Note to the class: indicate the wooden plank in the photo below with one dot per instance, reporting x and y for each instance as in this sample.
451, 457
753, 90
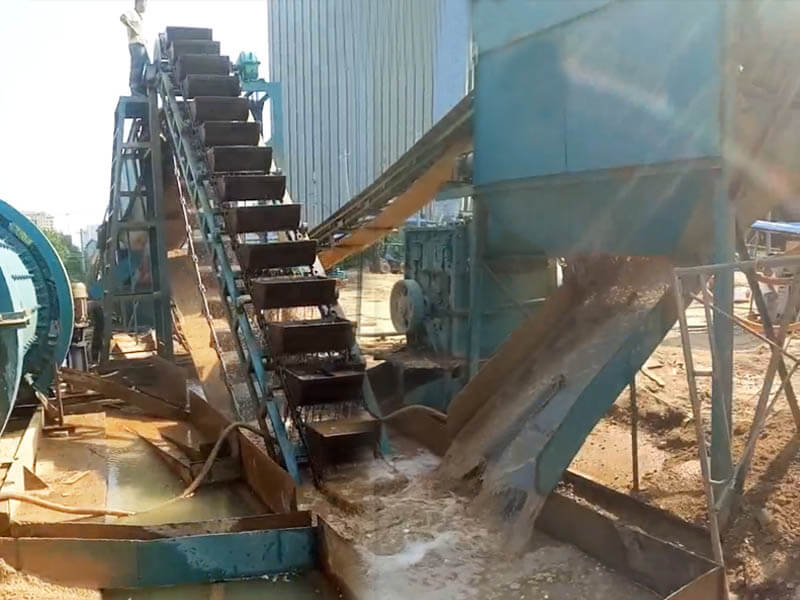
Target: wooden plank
24, 458
26, 451
60, 460
112, 389
9, 442
118, 531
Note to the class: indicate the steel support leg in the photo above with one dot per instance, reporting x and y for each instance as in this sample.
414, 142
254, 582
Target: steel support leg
276, 126
634, 435
475, 278
158, 253
697, 414
722, 359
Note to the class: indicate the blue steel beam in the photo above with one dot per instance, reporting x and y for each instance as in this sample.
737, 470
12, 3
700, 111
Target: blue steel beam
596, 399
723, 230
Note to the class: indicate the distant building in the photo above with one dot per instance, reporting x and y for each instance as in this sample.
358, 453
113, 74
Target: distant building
41, 219
87, 235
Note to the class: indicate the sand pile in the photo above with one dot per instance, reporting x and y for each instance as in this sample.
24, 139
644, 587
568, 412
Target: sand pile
16, 585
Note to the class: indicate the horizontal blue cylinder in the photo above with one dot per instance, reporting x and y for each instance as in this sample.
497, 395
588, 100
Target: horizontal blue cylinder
36, 312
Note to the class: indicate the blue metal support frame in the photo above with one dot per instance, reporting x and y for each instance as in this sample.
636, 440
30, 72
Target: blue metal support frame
570, 167
476, 246
272, 92
136, 205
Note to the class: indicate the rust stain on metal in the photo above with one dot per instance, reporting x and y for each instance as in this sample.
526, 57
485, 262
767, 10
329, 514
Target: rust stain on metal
268, 480
147, 403
418, 194
152, 375
115, 531
341, 562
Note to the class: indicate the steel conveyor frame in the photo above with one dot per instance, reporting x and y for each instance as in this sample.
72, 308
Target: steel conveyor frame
447, 139
194, 174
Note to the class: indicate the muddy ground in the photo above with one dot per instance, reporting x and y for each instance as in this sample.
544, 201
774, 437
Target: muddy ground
416, 539
762, 542
16, 585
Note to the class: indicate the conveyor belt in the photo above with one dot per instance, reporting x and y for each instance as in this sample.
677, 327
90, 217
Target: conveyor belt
306, 374
402, 190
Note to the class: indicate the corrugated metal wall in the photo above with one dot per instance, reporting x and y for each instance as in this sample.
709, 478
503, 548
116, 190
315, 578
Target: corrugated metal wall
362, 81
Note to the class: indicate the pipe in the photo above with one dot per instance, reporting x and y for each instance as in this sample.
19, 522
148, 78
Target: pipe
72, 510
634, 435
770, 261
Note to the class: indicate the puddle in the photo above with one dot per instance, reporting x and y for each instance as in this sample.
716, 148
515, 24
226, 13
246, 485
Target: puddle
139, 481
305, 586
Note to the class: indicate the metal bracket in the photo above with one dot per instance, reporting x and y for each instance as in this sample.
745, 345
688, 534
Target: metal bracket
15, 319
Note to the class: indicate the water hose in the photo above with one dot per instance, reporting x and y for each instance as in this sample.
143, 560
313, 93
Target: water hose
72, 510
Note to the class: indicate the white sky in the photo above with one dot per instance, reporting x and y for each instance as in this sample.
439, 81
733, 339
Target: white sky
64, 64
